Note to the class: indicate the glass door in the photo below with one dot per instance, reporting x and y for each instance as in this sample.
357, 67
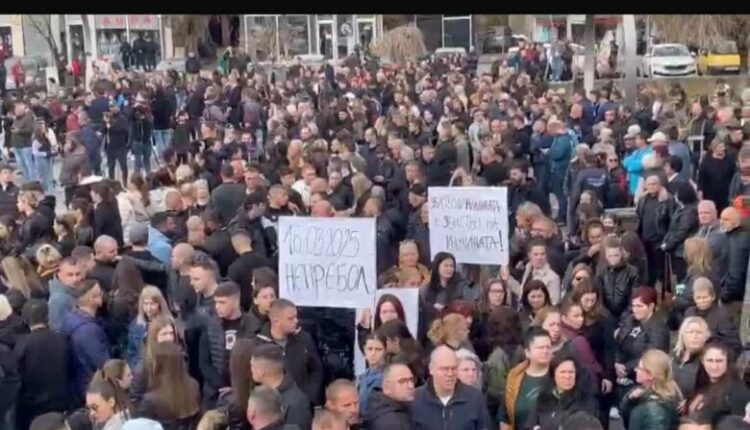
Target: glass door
345, 36
325, 39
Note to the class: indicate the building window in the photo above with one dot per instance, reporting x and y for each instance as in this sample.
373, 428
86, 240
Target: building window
457, 32
345, 35
294, 35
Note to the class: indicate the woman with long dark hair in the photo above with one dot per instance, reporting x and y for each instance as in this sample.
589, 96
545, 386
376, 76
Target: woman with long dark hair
446, 284
563, 394
106, 213
718, 389
84, 221
388, 307
127, 284
495, 294
173, 397
534, 298
107, 403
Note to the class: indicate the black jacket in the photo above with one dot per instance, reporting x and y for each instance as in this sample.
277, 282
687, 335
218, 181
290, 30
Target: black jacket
226, 199
301, 361
618, 284
103, 272
43, 367
241, 272
384, 413
297, 407
214, 354
385, 240
738, 252
107, 221
658, 214
34, 229
634, 338
219, 247
682, 224
466, 410
8, 199
551, 410
116, 136
720, 325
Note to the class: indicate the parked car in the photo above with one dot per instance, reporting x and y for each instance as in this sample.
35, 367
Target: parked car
33, 67
448, 52
176, 64
668, 59
721, 57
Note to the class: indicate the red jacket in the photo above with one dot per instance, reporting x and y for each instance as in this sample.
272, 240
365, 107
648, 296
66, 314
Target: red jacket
71, 123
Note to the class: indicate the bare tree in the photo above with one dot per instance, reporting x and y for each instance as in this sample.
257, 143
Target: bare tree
400, 44
188, 30
42, 24
702, 30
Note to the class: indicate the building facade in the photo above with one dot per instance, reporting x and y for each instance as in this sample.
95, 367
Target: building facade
109, 31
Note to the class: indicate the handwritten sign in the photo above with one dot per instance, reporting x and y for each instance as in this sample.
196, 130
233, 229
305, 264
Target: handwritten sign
328, 262
469, 222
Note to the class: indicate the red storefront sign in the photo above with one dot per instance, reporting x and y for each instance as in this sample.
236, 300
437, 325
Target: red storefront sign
109, 21
143, 22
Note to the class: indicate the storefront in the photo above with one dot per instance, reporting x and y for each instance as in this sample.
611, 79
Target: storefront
547, 28
446, 31
287, 36
109, 33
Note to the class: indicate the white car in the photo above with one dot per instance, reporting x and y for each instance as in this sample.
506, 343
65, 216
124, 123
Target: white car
668, 59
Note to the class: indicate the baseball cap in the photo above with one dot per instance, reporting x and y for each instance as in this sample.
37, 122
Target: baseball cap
633, 131
658, 137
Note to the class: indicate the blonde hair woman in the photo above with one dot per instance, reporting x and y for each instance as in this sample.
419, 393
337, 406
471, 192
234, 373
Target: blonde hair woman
151, 305
20, 287
686, 355
656, 398
699, 261
48, 261
451, 330
408, 261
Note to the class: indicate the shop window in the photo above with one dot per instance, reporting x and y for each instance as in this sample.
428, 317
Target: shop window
294, 35
457, 33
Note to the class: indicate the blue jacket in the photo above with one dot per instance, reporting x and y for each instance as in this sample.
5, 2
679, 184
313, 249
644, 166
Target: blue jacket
681, 150
60, 301
633, 164
368, 381
159, 245
466, 410
136, 335
92, 142
89, 350
559, 153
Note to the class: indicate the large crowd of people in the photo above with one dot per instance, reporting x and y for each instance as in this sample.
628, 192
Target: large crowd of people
139, 253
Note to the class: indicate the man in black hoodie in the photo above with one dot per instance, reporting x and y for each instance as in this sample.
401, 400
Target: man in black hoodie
267, 369
241, 270
43, 366
388, 408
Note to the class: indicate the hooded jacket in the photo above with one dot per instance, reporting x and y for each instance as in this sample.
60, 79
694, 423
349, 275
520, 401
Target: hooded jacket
738, 252
384, 413
89, 350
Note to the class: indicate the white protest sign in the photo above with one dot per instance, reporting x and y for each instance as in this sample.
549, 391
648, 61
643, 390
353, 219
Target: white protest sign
327, 262
469, 222
409, 298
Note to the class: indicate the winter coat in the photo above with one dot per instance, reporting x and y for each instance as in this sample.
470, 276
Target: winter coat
226, 199
116, 136
383, 413
8, 199
617, 189
552, 408
649, 412
43, 368
301, 361
136, 337
720, 325
61, 300
152, 407
593, 179
685, 374
714, 177
465, 410
738, 252
580, 347
636, 337
548, 276
107, 221
618, 283
22, 129
296, 405
559, 154
633, 164
89, 350
682, 224
34, 230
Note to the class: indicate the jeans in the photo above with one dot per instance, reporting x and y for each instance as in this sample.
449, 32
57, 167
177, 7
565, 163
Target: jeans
163, 140
142, 153
25, 160
43, 166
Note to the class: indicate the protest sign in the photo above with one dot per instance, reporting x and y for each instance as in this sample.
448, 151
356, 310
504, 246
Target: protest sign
409, 298
328, 262
469, 222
